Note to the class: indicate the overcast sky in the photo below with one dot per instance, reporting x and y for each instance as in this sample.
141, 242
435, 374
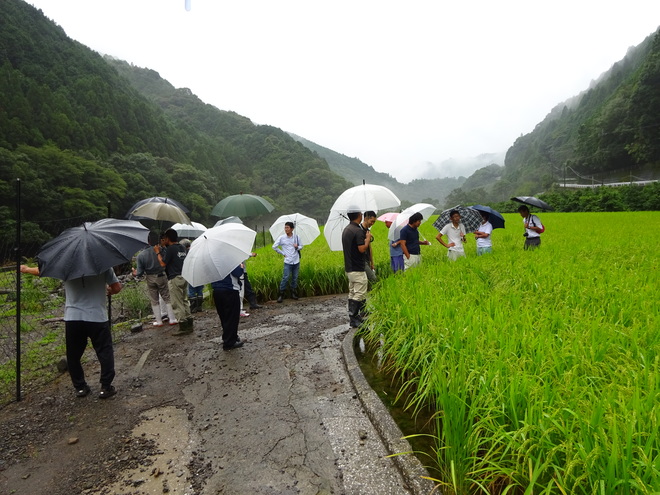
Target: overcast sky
395, 84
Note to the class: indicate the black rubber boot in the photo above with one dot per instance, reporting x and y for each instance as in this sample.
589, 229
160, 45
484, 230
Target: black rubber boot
294, 295
353, 313
280, 298
252, 299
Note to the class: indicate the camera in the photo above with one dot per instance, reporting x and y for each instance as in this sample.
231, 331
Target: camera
525, 234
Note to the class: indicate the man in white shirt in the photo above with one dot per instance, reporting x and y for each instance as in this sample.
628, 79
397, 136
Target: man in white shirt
455, 232
289, 246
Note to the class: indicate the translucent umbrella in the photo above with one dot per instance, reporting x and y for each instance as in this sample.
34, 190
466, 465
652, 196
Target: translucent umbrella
91, 248
334, 227
192, 230
306, 228
232, 219
402, 220
242, 205
366, 197
215, 253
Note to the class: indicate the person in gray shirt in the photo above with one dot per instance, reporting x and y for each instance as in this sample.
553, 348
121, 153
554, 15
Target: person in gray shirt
86, 317
149, 267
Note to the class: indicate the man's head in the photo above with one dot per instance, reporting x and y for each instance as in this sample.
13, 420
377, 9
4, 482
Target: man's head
369, 218
153, 238
288, 228
524, 211
170, 237
415, 220
354, 216
455, 217
485, 216
185, 243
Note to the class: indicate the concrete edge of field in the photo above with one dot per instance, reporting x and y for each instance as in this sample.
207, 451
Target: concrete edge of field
410, 467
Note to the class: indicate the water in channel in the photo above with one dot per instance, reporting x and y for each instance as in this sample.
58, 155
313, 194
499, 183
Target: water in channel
387, 387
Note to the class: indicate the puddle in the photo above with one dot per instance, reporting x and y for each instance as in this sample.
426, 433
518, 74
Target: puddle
165, 470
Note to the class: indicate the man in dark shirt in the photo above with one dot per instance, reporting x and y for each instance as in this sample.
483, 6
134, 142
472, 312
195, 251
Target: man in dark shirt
172, 261
410, 241
355, 242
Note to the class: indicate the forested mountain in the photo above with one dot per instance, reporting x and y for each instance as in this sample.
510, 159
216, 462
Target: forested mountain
433, 191
609, 132
81, 137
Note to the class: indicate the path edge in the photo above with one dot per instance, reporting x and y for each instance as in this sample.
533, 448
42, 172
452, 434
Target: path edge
410, 467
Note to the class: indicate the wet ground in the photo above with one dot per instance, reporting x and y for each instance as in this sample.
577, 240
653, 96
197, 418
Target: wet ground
281, 415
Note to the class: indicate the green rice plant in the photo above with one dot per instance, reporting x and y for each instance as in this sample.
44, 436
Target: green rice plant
541, 365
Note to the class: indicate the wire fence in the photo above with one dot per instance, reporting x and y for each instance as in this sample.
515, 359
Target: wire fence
32, 347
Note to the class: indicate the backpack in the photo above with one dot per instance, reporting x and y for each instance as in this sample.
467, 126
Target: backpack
534, 224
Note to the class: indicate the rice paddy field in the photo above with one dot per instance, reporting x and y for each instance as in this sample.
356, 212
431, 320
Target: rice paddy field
542, 366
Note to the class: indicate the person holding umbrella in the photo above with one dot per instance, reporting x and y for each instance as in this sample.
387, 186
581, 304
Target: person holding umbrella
226, 297
86, 317
368, 221
289, 246
455, 232
533, 228
484, 242
149, 266
172, 261
355, 243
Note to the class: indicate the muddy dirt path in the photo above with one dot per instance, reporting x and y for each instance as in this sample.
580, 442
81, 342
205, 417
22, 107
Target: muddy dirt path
277, 416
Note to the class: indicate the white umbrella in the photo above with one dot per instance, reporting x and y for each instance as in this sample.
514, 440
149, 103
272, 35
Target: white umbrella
193, 230
334, 227
232, 219
366, 197
215, 253
161, 211
306, 228
402, 220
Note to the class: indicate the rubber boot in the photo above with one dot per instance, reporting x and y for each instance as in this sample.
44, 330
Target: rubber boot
170, 315
157, 316
280, 298
252, 299
294, 295
362, 310
185, 327
353, 310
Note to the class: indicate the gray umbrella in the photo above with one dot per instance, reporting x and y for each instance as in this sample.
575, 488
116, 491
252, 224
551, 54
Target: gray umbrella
91, 248
470, 218
532, 201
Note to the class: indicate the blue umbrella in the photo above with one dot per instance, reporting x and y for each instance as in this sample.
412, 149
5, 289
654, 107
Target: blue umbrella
495, 218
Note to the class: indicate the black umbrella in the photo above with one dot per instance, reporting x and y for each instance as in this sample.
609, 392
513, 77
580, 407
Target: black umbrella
155, 199
470, 218
91, 248
494, 216
532, 201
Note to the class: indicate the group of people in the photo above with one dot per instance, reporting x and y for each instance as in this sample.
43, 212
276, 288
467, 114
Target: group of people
161, 264
405, 252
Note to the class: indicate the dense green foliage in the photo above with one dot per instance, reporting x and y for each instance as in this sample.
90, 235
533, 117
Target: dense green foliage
83, 133
610, 132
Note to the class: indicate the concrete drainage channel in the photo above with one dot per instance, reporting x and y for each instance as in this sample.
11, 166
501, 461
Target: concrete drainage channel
411, 468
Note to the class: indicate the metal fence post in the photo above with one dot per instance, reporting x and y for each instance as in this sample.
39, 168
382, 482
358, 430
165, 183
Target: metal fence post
18, 290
